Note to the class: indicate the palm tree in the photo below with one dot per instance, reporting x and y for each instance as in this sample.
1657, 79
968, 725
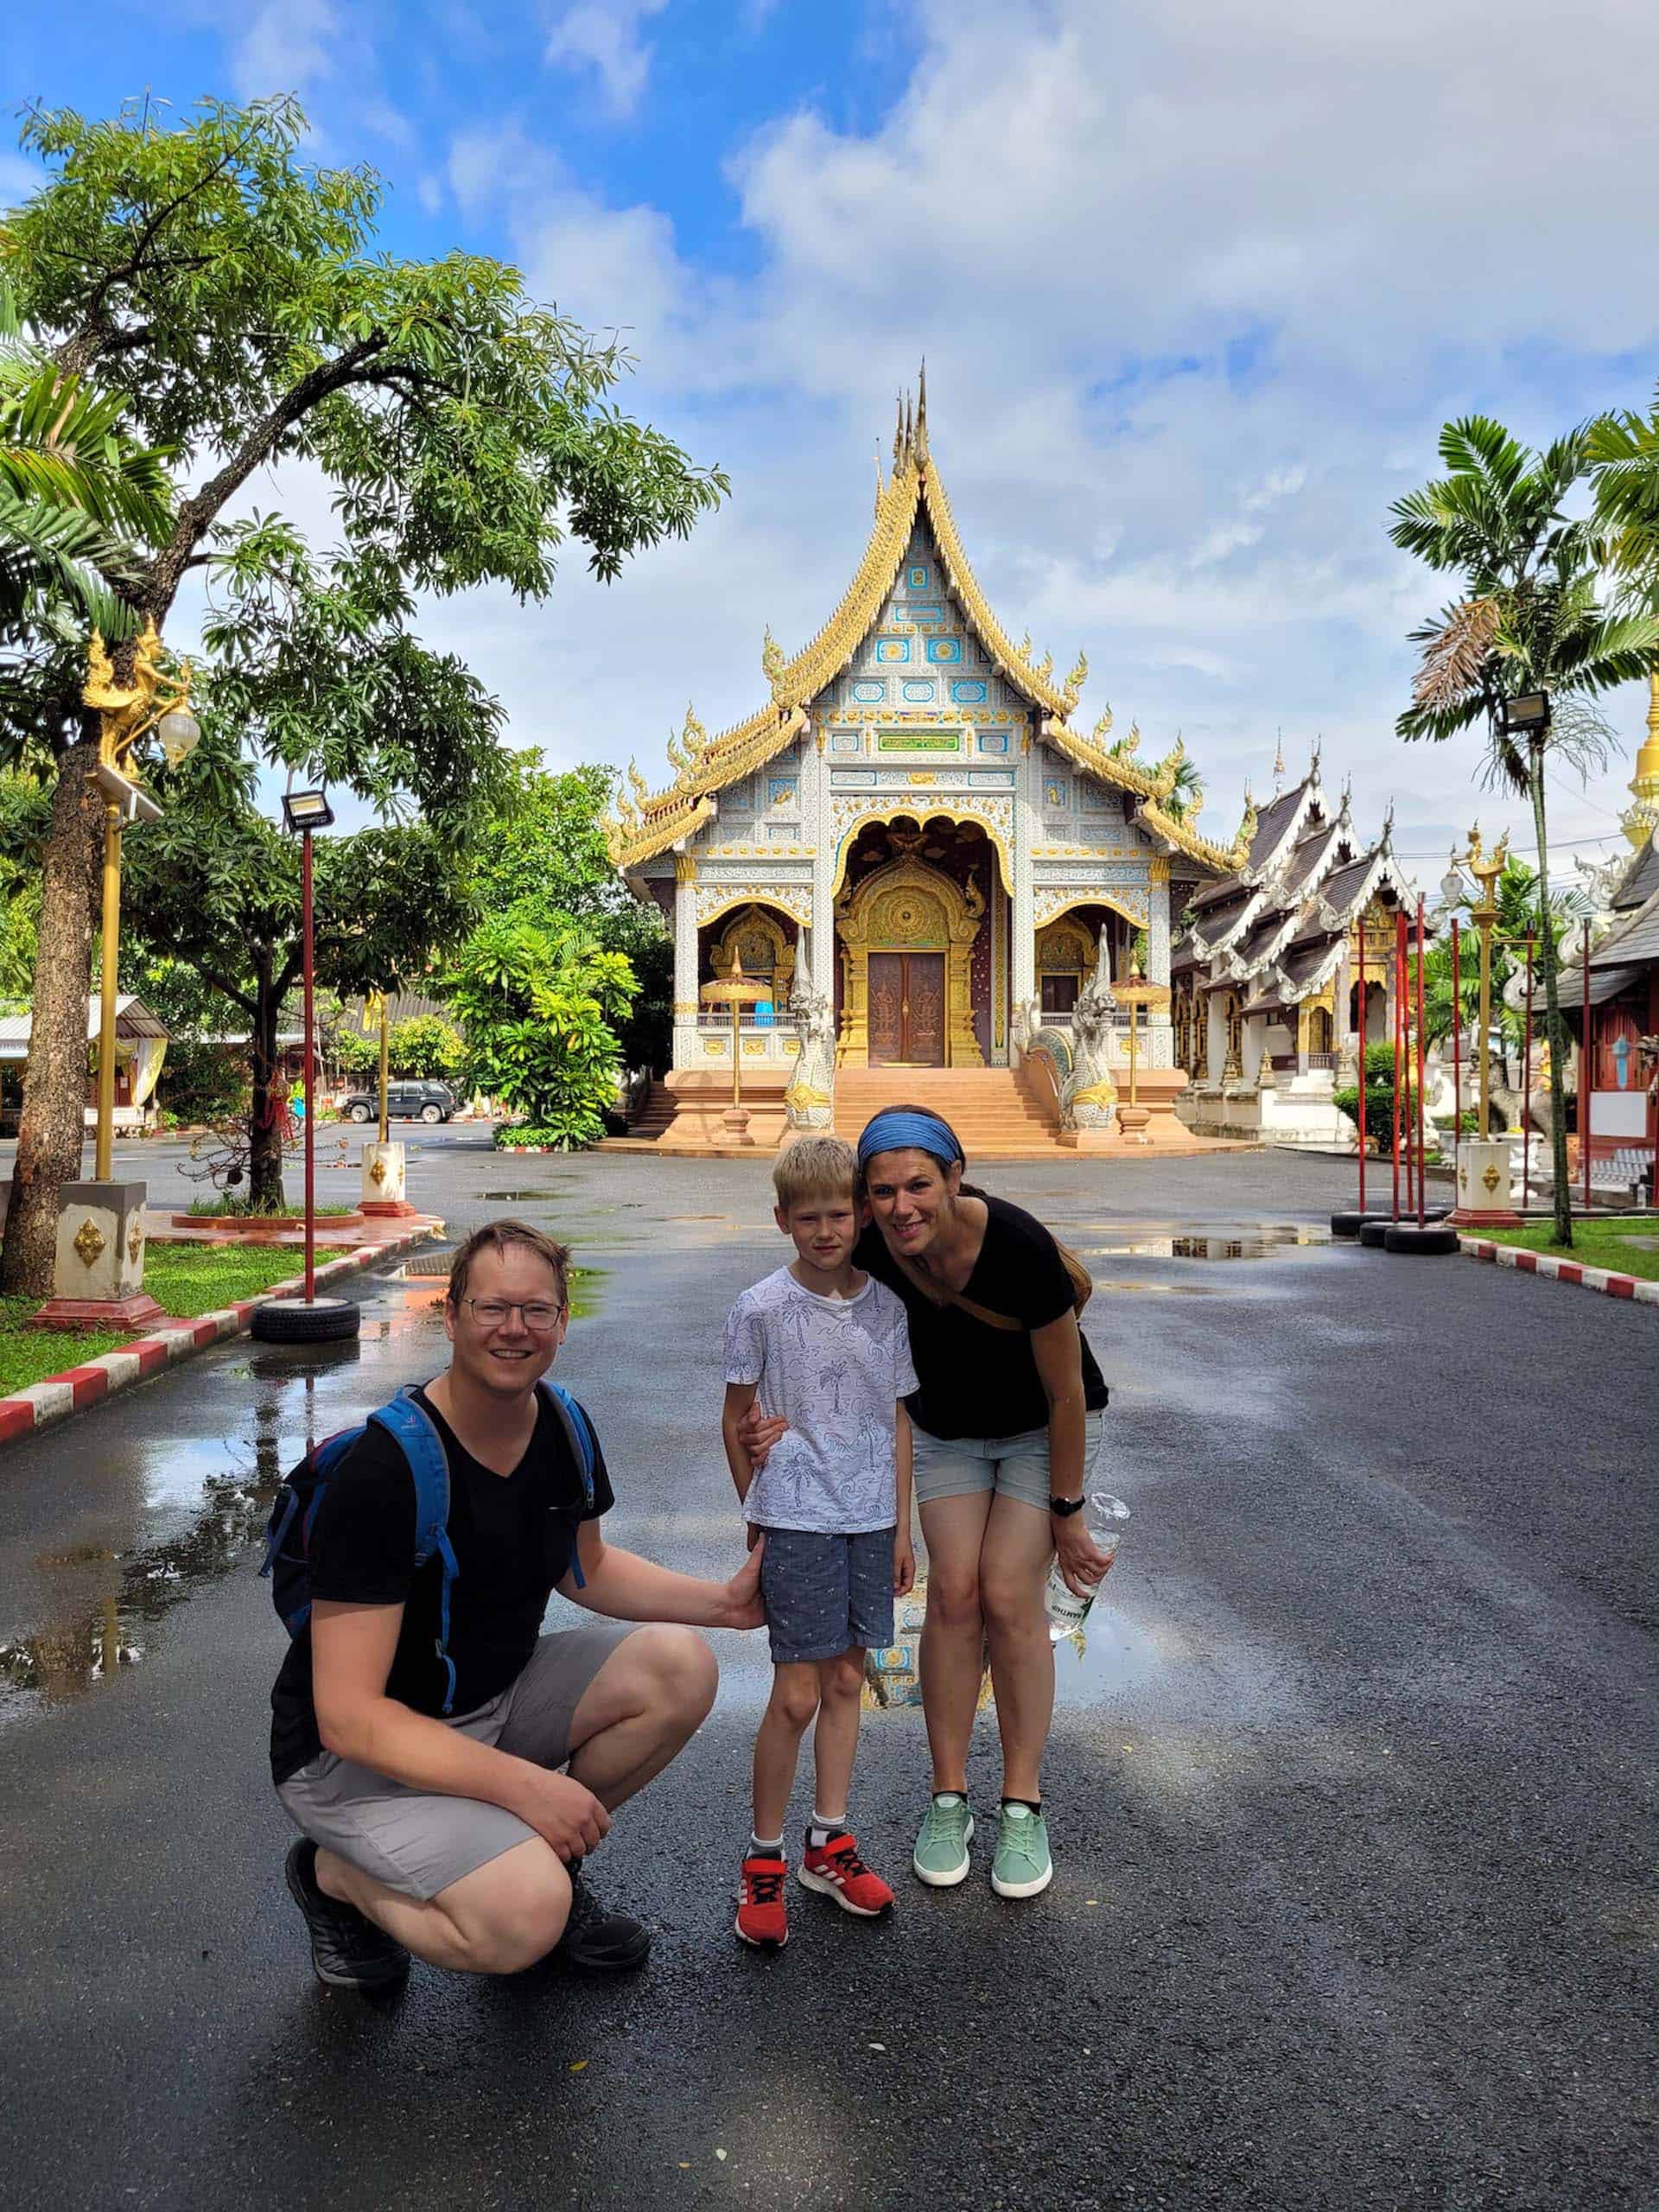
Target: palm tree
75, 492
1527, 619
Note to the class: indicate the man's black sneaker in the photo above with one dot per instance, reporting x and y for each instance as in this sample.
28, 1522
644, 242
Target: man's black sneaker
347, 1950
608, 1942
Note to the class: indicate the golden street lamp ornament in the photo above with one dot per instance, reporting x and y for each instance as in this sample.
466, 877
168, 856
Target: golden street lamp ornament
1133, 1117
1483, 1173
149, 700
736, 990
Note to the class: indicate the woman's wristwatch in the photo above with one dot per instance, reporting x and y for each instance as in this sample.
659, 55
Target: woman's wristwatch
1064, 1507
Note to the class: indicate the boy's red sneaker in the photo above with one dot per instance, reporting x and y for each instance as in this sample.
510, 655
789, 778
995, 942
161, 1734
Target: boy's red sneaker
836, 1871
762, 1915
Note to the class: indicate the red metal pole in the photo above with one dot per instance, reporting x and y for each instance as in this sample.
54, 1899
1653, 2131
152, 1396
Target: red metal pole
1399, 1047
1587, 1074
1365, 1095
1420, 1063
1457, 1058
310, 1084
1526, 1091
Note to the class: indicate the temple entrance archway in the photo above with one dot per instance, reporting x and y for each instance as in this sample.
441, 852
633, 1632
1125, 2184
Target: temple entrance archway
907, 930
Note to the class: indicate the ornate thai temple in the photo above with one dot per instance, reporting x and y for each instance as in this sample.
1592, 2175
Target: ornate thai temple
929, 881
1267, 974
941, 884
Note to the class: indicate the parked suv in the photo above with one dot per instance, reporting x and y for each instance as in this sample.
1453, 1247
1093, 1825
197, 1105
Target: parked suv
405, 1101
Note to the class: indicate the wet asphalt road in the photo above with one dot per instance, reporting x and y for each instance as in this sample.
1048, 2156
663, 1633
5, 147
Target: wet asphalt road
1352, 1793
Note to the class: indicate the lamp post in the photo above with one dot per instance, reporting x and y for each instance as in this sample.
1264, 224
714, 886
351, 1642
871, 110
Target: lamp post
1133, 1118
313, 1320
1483, 1173
736, 990
99, 1274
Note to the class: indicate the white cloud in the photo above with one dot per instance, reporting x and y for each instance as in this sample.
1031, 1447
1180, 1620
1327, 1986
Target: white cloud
286, 47
1197, 288
605, 37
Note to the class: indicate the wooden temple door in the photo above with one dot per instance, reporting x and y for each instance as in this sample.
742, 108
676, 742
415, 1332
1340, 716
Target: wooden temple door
907, 1009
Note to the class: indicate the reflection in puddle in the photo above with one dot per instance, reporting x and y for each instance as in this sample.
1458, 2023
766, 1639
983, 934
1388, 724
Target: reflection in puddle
1257, 1240
1108, 1654
893, 1676
106, 1626
1144, 1288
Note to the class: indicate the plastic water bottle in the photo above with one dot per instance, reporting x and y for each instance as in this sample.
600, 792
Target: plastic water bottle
1105, 1517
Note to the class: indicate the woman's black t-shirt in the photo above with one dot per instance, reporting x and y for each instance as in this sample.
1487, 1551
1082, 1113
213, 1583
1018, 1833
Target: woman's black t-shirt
975, 1380
513, 1536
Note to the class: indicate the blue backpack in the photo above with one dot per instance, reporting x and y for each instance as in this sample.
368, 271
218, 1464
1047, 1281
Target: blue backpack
288, 1532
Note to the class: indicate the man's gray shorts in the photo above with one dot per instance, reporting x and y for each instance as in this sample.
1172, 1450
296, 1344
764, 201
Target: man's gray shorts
824, 1594
419, 1843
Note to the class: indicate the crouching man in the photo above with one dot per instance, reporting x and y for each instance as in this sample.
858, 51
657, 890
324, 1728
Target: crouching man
420, 1756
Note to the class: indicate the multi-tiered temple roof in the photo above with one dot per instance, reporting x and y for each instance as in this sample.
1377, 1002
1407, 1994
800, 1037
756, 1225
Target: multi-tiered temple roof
649, 822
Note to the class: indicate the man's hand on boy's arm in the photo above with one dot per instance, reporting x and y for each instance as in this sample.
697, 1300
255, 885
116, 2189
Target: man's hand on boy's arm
625, 1587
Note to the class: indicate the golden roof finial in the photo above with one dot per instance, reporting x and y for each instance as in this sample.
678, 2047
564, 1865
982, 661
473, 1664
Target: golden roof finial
1047, 668
1025, 647
694, 734
909, 429
1247, 830
1279, 762
880, 484
921, 412
1072, 689
1103, 727
771, 661
678, 754
637, 783
899, 436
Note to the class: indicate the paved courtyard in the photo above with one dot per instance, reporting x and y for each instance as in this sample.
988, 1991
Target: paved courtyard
1352, 1793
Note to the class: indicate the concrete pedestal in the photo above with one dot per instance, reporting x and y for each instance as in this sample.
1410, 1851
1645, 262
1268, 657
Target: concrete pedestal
1132, 1121
98, 1275
1485, 1195
382, 1181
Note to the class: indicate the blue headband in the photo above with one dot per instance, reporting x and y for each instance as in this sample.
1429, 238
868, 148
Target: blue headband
897, 1130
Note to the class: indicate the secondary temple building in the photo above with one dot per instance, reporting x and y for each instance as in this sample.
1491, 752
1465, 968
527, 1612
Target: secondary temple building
933, 883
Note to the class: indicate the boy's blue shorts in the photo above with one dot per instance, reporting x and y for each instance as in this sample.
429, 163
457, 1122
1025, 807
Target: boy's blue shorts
825, 1594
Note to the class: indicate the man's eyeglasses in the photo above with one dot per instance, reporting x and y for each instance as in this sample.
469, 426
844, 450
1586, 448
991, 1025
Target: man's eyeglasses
540, 1318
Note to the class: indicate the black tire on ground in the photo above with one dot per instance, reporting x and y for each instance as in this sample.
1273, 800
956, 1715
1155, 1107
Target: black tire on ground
431, 1113
1372, 1230
291, 1321
359, 1113
1350, 1222
1436, 1237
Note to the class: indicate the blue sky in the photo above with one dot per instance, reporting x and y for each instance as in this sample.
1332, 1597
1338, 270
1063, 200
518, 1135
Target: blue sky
1197, 288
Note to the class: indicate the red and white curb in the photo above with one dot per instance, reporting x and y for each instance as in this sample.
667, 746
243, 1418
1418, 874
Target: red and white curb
1609, 1281
59, 1395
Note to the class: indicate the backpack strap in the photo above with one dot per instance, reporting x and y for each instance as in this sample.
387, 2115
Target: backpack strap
412, 1428
572, 1417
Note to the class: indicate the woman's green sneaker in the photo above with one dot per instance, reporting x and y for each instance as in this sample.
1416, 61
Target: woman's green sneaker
941, 1859
1022, 1866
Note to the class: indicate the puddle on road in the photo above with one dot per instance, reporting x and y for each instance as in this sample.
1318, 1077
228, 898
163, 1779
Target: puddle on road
1107, 1655
1199, 1241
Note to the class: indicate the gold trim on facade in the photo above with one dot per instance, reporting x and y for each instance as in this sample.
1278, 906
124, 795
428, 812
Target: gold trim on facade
922, 813
907, 907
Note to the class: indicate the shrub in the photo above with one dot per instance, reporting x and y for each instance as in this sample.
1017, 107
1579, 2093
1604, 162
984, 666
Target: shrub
539, 1005
427, 1046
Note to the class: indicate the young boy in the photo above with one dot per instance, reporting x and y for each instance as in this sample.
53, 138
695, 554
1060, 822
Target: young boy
826, 1349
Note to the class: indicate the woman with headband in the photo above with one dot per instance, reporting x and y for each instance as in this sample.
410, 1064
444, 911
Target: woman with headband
1006, 1425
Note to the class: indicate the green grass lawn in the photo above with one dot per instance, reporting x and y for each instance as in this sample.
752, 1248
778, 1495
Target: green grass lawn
183, 1279
1596, 1244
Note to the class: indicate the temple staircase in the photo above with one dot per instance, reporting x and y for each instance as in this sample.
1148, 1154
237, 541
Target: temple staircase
995, 1111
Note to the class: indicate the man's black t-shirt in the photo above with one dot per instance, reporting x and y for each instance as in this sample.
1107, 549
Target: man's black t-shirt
978, 1380
513, 1536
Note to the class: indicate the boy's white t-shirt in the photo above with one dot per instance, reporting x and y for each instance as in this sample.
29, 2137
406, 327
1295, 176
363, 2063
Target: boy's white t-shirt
834, 1369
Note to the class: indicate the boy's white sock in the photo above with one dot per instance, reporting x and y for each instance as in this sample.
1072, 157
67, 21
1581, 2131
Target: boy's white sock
820, 1830
762, 1847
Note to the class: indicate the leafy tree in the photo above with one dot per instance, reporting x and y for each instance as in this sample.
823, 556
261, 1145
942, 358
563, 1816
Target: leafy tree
425, 1045
1623, 456
548, 864
1528, 618
214, 889
353, 1053
235, 297
537, 1004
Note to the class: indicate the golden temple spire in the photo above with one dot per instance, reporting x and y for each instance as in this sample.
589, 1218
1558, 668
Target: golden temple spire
1278, 764
898, 437
1640, 818
880, 484
921, 411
